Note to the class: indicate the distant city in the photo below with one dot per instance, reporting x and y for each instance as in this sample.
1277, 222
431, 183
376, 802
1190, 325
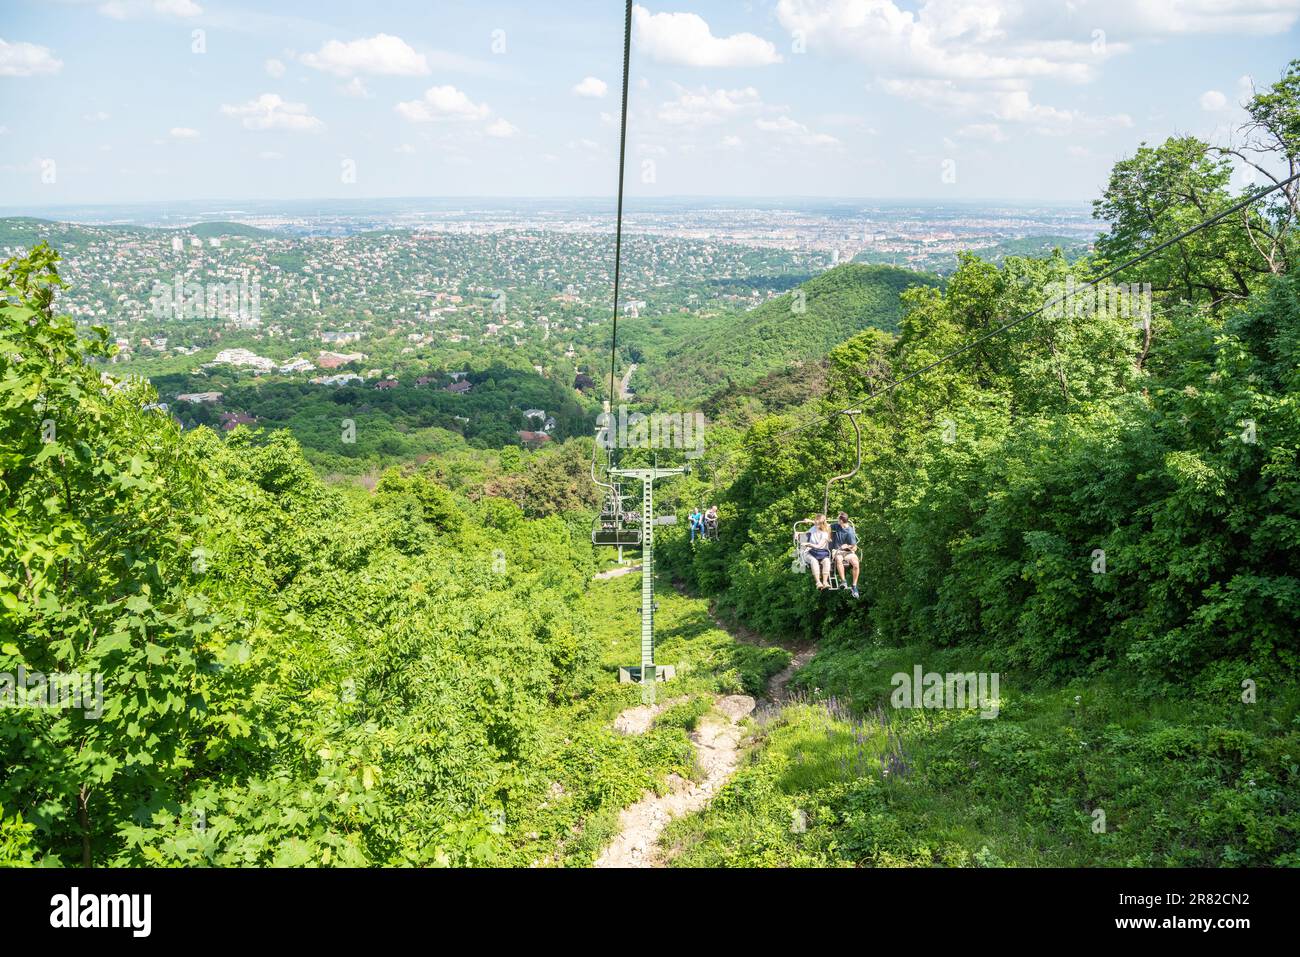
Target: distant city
919, 234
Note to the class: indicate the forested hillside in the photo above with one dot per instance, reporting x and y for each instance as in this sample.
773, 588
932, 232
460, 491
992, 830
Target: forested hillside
292, 673
1104, 514
737, 350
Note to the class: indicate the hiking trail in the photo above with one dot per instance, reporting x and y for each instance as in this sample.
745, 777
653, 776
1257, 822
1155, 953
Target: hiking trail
716, 738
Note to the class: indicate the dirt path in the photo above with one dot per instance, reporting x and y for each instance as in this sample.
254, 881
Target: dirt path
615, 573
717, 740
717, 751
776, 693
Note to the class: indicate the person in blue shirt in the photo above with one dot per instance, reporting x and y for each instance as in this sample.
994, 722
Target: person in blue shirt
696, 521
844, 548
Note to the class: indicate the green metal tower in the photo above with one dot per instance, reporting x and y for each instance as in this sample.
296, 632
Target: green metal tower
647, 673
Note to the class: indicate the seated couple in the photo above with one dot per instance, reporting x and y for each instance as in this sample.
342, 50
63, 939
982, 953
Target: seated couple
836, 543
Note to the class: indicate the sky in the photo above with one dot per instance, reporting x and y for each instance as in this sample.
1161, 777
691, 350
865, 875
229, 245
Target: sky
127, 101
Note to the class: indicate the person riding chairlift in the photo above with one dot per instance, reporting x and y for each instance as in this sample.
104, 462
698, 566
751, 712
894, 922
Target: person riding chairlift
696, 520
844, 549
710, 522
818, 552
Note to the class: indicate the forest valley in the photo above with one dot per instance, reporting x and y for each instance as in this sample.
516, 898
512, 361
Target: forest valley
304, 673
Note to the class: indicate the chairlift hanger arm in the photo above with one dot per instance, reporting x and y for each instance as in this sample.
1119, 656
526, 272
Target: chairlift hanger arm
857, 464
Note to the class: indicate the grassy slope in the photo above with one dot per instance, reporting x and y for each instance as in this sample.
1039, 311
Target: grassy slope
599, 771
739, 350
843, 779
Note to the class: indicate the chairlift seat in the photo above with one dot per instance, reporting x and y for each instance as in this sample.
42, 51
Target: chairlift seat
616, 536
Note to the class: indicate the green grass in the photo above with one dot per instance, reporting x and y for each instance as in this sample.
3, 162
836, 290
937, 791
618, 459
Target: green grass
707, 658
588, 771
1181, 782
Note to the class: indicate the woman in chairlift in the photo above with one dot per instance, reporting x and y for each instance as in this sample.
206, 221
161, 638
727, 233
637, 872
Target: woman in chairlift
819, 552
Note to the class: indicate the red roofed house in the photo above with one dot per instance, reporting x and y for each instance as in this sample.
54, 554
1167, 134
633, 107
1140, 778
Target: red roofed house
231, 420
534, 438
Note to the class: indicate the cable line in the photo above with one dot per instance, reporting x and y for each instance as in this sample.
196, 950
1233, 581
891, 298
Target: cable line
618, 228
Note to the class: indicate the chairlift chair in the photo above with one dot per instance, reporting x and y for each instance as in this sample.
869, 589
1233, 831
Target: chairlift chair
615, 525
802, 528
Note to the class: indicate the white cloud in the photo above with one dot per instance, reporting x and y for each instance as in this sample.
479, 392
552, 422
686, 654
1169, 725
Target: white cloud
1212, 101
99, 116
27, 59
591, 86
795, 132
442, 103
271, 112
270, 155
129, 9
990, 132
405, 148
1173, 17
686, 39
355, 87
1006, 105
502, 129
1011, 38
380, 55
1245, 89
980, 59
177, 8
704, 106
274, 68
732, 142
183, 133
945, 38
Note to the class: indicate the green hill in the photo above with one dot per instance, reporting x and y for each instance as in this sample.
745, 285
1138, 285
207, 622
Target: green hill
226, 230
739, 350
27, 231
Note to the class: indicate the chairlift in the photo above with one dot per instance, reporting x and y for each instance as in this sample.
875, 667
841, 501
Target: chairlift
615, 526
803, 528
703, 526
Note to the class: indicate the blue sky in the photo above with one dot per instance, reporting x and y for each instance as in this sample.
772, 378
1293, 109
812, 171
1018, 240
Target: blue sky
122, 101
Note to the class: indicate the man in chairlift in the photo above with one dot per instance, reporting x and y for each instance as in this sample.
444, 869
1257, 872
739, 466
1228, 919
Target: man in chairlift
844, 549
711, 522
696, 520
